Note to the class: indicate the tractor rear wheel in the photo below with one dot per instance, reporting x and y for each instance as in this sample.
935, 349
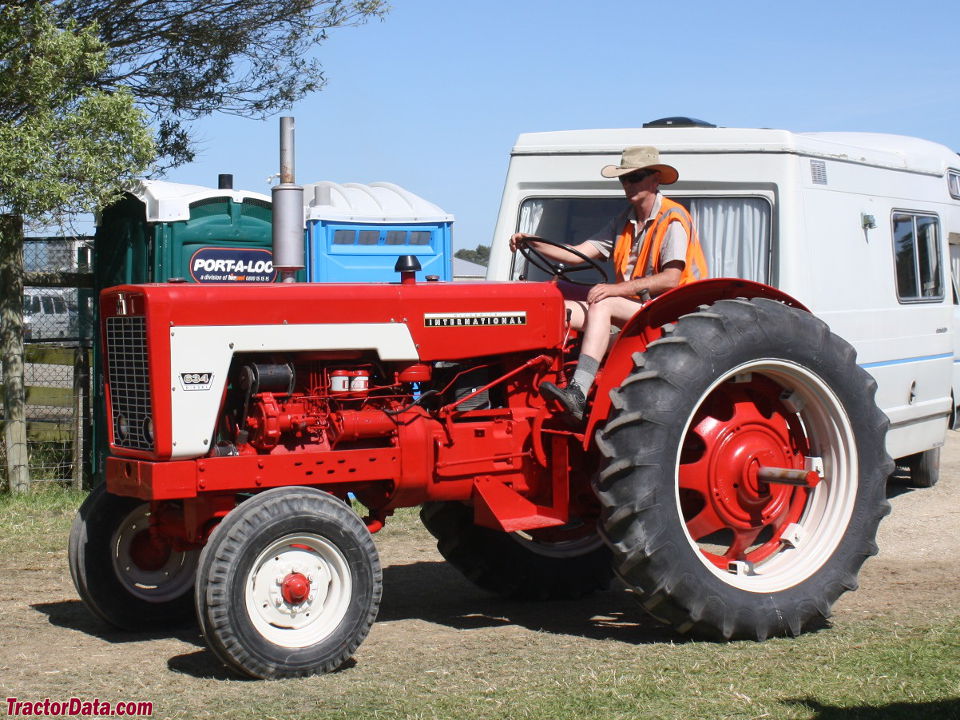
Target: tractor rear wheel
126, 574
552, 563
744, 473
289, 584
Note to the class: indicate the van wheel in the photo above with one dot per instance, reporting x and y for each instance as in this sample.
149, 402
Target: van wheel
125, 575
744, 473
289, 584
924, 468
548, 564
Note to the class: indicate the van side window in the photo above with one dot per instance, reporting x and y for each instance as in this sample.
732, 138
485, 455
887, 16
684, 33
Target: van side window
47, 304
953, 183
916, 243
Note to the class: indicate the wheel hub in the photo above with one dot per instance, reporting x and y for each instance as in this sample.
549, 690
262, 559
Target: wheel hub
149, 553
736, 454
295, 588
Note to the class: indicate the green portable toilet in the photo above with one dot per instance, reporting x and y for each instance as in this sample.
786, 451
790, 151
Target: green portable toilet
161, 230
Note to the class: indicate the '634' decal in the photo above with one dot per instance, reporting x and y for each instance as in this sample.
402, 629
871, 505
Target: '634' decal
196, 381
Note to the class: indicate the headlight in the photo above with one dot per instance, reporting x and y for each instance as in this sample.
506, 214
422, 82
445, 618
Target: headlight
148, 429
123, 427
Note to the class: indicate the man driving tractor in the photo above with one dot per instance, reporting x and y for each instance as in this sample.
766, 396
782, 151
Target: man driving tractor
654, 247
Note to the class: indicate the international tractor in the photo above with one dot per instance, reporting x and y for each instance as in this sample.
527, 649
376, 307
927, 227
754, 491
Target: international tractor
730, 470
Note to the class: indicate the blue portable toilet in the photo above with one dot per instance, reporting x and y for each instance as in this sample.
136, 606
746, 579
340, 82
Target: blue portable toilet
355, 232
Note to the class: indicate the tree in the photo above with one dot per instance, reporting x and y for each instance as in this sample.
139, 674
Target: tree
480, 256
66, 146
183, 59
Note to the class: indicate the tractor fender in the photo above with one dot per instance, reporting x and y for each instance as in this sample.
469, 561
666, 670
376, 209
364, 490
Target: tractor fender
646, 326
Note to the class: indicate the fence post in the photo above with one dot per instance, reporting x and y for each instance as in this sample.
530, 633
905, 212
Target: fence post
11, 350
81, 383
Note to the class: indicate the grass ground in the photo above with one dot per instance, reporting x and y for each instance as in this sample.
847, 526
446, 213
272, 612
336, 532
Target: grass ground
443, 650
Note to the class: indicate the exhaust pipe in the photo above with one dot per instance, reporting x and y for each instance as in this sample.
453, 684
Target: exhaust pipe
287, 211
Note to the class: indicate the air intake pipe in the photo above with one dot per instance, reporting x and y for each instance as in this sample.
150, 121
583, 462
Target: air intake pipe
288, 252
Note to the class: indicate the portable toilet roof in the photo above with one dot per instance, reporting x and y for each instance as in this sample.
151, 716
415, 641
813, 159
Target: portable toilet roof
171, 202
379, 202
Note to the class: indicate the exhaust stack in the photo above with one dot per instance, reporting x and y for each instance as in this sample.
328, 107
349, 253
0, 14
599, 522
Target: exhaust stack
288, 253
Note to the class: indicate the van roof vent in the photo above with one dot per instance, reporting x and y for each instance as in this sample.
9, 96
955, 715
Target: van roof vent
678, 121
818, 172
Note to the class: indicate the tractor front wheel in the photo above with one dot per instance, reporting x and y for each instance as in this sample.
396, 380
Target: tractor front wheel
745, 472
125, 572
289, 584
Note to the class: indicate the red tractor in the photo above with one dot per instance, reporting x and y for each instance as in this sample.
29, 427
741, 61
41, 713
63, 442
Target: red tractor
731, 470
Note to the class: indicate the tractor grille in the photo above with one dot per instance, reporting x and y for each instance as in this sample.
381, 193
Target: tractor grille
129, 374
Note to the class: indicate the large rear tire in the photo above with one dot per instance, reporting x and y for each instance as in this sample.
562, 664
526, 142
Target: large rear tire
289, 584
735, 402
549, 564
127, 575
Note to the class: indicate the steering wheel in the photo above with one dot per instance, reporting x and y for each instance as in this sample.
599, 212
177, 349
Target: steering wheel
559, 269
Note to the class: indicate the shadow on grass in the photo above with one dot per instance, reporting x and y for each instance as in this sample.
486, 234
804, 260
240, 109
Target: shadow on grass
435, 592
204, 665
936, 710
74, 615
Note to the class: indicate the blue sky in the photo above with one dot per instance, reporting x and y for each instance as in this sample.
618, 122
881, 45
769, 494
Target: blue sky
433, 97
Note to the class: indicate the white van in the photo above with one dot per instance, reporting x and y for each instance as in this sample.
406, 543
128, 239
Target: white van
857, 226
45, 314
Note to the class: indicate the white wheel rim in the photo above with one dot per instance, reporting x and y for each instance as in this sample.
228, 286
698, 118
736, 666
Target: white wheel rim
298, 624
163, 584
830, 504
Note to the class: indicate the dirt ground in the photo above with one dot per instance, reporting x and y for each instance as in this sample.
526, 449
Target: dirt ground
50, 645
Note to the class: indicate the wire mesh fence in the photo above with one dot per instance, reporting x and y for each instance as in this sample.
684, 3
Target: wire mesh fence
57, 331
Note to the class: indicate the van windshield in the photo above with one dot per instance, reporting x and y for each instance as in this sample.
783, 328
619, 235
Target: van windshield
735, 232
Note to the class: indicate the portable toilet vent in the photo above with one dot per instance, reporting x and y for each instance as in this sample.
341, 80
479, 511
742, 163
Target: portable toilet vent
355, 232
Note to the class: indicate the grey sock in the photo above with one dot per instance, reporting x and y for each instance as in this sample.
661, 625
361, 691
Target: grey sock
586, 372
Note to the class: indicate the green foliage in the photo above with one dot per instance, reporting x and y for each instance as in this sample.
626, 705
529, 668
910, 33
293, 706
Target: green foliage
183, 59
66, 145
480, 255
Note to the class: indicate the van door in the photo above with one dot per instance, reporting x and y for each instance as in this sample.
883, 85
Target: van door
955, 415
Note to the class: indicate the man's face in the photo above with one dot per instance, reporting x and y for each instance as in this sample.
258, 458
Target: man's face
640, 184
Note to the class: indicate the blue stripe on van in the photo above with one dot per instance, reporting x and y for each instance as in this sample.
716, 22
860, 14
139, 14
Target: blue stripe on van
903, 361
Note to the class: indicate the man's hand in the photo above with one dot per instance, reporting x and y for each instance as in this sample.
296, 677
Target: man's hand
604, 290
518, 239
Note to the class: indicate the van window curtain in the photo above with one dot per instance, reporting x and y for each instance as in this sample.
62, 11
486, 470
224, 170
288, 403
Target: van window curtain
735, 235
530, 214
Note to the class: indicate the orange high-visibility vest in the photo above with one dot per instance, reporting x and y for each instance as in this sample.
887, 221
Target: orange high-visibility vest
695, 264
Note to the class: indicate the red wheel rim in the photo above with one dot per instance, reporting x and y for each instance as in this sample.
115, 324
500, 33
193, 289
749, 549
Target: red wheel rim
733, 516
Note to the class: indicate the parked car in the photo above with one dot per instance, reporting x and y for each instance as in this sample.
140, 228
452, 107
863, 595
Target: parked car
45, 314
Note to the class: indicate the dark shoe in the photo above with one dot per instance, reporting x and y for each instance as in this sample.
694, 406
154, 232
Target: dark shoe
570, 398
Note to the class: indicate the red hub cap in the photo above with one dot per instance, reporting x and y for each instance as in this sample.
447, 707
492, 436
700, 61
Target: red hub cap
729, 511
295, 588
147, 552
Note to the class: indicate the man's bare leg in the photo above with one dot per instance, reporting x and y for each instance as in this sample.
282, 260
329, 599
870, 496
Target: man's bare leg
595, 320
